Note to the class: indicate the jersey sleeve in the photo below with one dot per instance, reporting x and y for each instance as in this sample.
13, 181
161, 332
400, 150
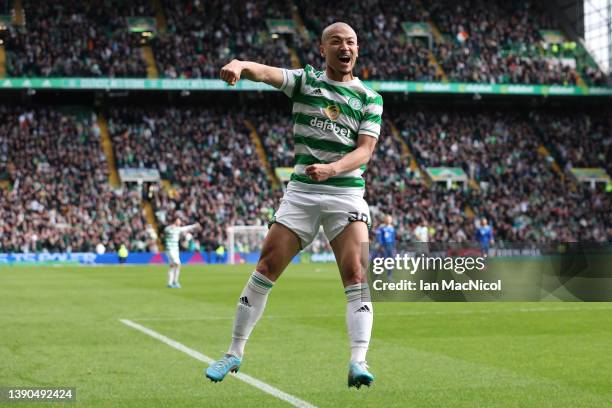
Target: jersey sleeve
372, 119
292, 80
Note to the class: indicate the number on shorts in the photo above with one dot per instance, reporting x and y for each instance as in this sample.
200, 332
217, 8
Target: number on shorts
357, 216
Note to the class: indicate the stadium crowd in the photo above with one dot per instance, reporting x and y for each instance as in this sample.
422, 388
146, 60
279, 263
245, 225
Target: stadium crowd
577, 140
88, 39
474, 41
60, 200
210, 160
204, 35
384, 50
496, 42
518, 190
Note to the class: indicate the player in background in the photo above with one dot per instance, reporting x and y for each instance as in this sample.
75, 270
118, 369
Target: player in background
484, 235
336, 125
421, 237
172, 234
421, 232
386, 238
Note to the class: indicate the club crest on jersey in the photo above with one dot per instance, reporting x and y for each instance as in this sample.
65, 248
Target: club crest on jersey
355, 103
332, 112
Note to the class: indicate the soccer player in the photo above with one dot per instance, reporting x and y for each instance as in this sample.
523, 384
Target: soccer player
386, 239
172, 234
336, 125
484, 235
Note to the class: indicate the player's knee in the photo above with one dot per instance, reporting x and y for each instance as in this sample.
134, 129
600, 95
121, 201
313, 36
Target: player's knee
266, 267
354, 272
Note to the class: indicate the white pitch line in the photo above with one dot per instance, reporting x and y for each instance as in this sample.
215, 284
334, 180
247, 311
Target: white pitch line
295, 401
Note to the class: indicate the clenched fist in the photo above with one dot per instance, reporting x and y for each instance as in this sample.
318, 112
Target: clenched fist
231, 72
320, 172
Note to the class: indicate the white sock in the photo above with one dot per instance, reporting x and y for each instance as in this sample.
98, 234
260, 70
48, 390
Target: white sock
359, 319
170, 275
250, 308
177, 271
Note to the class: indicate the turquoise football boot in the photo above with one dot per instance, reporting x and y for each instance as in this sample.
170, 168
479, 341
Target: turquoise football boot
359, 375
218, 370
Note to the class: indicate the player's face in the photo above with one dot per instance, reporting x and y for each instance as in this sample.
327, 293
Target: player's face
340, 49
178, 222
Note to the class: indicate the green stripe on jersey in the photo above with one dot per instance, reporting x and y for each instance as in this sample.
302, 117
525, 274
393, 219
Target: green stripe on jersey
336, 181
372, 117
297, 86
377, 100
326, 145
307, 160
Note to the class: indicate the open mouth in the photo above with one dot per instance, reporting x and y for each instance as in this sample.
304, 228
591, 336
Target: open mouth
345, 59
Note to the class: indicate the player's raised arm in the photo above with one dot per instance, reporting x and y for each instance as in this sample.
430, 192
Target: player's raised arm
188, 228
232, 72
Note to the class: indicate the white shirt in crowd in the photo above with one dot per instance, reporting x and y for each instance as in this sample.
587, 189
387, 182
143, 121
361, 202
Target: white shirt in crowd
422, 233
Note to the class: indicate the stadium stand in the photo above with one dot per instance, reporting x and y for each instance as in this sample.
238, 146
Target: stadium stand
384, 50
518, 190
208, 157
60, 199
474, 41
87, 39
202, 36
577, 140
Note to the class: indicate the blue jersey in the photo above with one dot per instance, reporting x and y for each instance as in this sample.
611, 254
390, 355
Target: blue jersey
386, 235
484, 235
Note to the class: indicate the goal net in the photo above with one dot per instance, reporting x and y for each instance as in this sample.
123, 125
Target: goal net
244, 244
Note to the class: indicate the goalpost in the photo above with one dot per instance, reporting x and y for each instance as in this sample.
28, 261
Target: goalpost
243, 240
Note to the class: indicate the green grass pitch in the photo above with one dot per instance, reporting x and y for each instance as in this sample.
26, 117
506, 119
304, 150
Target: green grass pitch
60, 327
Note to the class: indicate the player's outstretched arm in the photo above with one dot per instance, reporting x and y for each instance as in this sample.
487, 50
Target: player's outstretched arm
191, 227
232, 72
351, 161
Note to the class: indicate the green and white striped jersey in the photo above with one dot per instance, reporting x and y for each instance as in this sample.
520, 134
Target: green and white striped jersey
173, 233
328, 117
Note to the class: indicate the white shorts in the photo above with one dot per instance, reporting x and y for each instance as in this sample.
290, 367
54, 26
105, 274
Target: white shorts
173, 257
303, 213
